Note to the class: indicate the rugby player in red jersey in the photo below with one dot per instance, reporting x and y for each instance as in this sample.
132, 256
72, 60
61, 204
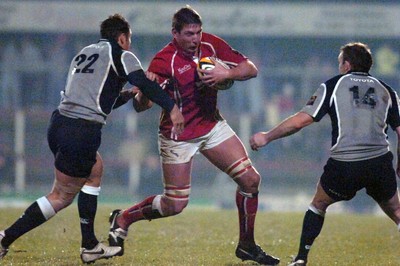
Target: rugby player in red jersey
206, 132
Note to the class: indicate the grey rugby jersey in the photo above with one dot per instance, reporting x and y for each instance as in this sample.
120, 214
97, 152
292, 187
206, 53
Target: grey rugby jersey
360, 107
95, 79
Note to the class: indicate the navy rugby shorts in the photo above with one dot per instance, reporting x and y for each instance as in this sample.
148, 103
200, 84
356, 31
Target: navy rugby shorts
341, 180
74, 143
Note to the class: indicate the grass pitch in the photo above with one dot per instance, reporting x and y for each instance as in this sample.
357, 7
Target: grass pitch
208, 237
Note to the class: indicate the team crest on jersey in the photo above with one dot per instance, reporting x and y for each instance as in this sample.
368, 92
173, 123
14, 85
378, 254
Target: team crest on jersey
312, 100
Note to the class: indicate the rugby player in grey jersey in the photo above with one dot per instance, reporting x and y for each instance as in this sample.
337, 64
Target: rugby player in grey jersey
94, 86
361, 108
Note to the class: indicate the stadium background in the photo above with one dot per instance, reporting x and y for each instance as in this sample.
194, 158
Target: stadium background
293, 43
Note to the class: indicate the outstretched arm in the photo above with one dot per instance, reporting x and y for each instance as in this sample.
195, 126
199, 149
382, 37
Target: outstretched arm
287, 127
155, 93
141, 102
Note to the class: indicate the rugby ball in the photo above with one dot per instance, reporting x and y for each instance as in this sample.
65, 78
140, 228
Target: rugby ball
206, 63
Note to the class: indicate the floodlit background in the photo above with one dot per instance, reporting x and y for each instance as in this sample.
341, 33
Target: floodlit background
293, 43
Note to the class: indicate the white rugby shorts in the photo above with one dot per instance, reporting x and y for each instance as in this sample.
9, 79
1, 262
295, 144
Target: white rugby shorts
175, 152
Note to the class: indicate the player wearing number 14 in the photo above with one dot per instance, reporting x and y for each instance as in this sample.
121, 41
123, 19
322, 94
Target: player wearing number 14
361, 108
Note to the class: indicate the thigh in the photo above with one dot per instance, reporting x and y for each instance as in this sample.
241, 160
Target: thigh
223, 147
96, 174
392, 207
177, 175
381, 183
226, 153
340, 180
177, 152
221, 132
75, 143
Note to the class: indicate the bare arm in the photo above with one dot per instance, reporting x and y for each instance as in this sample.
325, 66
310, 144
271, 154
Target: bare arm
243, 71
286, 128
141, 102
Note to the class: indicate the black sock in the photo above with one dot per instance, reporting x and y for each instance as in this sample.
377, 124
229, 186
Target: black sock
87, 207
312, 226
30, 219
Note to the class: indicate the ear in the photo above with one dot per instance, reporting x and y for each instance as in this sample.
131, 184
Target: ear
121, 40
347, 66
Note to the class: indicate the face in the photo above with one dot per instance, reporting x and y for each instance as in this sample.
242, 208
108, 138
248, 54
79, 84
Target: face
124, 40
189, 38
344, 67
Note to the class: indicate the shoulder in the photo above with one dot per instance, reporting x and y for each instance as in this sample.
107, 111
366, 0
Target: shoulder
388, 87
164, 56
331, 83
213, 40
128, 55
211, 37
334, 79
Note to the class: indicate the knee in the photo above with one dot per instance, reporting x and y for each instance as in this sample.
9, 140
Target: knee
60, 200
320, 204
317, 210
249, 182
63, 193
174, 199
245, 175
173, 207
94, 181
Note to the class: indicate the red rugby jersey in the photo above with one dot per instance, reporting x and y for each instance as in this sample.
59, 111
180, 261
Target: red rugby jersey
178, 76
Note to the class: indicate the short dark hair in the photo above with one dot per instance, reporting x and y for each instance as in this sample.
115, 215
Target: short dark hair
114, 26
184, 16
358, 55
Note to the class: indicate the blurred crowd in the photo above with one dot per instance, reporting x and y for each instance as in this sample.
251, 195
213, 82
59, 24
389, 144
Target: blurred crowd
33, 70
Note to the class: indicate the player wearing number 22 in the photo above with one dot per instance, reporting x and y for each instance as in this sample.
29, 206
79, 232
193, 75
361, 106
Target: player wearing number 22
94, 87
361, 108
205, 132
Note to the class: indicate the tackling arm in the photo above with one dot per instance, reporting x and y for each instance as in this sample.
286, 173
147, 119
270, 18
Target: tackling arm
141, 102
156, 94
287, 127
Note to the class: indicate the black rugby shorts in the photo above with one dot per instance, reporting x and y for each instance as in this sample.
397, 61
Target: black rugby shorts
74, 143
341, 180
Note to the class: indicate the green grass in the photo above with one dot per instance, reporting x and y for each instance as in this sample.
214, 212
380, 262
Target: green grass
208, 237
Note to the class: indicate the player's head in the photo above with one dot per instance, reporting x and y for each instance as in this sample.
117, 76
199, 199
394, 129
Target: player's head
184, 16
115, 27
187, 29
355, 56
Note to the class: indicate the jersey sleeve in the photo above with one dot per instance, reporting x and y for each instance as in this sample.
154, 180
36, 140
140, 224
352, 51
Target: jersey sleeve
130, 62
317, 106
151, 89
394, 113
160, 66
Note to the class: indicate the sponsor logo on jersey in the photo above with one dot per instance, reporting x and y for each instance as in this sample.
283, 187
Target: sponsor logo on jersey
362, 80
184, 69
312, 100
